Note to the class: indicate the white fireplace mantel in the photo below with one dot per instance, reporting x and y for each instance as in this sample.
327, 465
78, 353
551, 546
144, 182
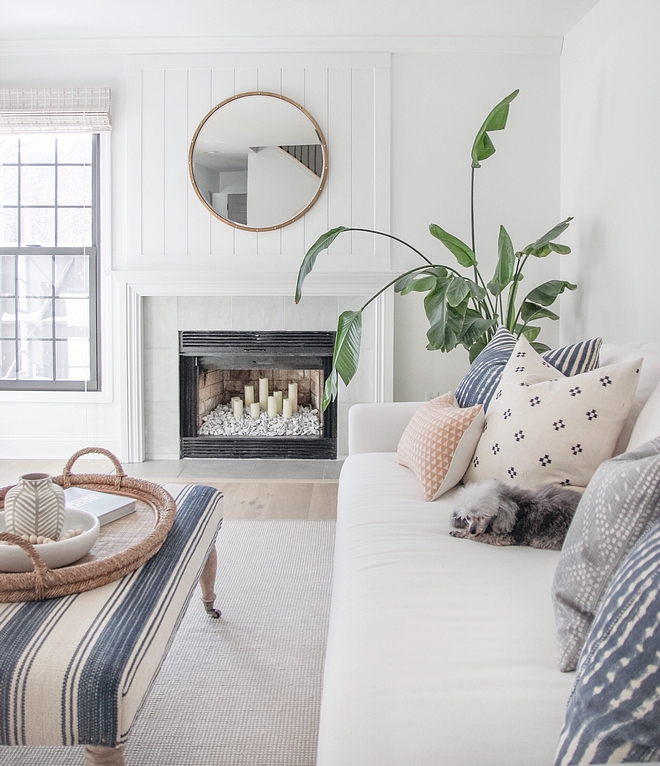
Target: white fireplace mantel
135, 285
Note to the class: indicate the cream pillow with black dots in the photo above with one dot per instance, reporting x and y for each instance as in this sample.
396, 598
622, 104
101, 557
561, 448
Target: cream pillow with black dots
543, 427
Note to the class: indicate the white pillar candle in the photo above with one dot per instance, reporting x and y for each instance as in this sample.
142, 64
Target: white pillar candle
238, 408
263, 393
255, 410
293, 396
249, 395
272, 407
286, 408
278, 400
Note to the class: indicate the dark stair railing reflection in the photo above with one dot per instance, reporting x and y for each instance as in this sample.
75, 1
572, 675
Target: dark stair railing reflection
310, 155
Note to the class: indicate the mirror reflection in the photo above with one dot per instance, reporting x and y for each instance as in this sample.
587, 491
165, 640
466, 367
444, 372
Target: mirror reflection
258, 161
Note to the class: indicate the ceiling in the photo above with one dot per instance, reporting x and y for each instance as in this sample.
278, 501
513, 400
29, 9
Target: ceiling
249, 18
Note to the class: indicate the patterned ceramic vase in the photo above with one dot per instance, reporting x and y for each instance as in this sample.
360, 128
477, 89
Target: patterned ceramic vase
35, 506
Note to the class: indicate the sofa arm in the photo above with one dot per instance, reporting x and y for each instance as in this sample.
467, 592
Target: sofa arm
378, 427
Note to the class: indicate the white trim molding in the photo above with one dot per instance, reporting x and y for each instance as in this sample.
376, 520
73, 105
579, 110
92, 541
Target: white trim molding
136, 285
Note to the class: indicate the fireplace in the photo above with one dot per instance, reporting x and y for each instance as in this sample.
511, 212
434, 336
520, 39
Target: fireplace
214, 369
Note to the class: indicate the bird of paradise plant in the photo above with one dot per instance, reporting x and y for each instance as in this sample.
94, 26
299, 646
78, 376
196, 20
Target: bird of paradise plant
461, 309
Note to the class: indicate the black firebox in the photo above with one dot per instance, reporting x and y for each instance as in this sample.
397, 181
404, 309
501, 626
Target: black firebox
216, 365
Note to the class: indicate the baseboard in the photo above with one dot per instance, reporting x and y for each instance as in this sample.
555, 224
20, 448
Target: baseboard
28, 448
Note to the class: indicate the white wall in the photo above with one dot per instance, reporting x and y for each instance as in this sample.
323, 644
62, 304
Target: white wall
610, 78
438, 100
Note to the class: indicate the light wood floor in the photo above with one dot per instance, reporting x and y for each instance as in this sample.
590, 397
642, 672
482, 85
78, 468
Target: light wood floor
279, 500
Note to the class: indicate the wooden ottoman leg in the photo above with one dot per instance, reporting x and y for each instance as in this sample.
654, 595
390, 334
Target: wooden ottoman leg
96, 755
207, 582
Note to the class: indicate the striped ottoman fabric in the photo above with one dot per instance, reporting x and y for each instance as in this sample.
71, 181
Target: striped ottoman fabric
75, 670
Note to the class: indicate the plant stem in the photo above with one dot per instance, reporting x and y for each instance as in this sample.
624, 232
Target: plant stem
393, 282
474, 250
513, 292
396, 239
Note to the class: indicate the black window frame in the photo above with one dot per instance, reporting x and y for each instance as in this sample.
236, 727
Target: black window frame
92, 251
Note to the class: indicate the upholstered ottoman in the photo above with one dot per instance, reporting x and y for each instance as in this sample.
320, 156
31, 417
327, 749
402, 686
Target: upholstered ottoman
75, 670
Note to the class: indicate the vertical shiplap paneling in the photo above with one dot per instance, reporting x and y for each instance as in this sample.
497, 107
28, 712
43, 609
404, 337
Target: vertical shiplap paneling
316, 103
176, 164
245, 242
133, 171
382, 169
199, 218
269, 243
362, 158
340, 188
293, 236
153, 166
222, 234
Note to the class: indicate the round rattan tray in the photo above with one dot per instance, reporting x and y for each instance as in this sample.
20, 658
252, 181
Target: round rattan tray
123, 545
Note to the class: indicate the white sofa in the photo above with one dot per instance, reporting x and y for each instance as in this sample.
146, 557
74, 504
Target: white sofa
441, 651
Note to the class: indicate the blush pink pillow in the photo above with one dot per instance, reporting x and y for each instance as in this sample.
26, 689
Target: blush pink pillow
439, 442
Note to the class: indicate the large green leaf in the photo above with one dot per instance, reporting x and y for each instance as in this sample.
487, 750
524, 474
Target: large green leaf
476, 349
347, 344
435, 304
457, 291
531, 332
420, 285
323, 242
474, 326
530, 312
476, 291
541, 348
464, 254
483, 147
441, 337
505, 263
546, 294
541, 247
330, 389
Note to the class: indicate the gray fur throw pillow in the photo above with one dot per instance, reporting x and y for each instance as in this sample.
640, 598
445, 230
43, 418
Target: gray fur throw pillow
620, 503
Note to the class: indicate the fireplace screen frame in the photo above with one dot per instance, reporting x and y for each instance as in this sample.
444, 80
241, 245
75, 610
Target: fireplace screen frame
242, 350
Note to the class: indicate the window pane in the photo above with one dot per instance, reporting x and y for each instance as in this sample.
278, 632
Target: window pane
38, 185
74, 185
75, 147
7, 275
8, 185
35, 318
7, 318
35, 275
38, 226
9, 149
35, 360
8, 227
74, 227
72, 318
7, 360
71, 275
38, 148
72, 359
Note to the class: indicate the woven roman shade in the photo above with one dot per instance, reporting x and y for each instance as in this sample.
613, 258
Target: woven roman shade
55, 110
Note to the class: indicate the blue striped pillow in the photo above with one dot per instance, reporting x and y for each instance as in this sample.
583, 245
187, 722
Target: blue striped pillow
612, 714
481, 380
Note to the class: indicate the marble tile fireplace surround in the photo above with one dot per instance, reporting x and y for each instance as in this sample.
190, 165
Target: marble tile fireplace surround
155, 306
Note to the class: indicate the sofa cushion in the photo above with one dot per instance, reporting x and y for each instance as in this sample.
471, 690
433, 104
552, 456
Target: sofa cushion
647, 426
440, 651
649, 378
481, 380
611, 716
544, 428
439, 442
621, 501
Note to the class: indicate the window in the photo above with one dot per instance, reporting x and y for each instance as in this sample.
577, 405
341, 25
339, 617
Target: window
49, 203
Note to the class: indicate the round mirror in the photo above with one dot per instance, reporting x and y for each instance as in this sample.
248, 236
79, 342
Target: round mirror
258, 161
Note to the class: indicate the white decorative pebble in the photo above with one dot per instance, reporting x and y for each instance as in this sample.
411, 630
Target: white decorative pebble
221, 422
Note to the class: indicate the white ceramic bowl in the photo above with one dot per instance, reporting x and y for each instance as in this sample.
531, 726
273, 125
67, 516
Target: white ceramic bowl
55, 554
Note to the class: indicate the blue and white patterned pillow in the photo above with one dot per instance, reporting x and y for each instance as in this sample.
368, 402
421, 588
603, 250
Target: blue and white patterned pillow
612, 715
481, 380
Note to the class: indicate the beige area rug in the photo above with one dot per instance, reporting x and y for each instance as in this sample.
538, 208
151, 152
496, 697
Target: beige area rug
243, 690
